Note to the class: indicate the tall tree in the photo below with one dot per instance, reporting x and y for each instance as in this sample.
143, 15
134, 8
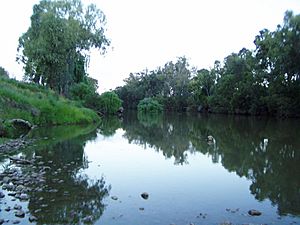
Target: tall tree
278, 56
56, 46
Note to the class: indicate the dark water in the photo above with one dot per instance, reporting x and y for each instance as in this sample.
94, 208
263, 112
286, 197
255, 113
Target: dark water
249, 163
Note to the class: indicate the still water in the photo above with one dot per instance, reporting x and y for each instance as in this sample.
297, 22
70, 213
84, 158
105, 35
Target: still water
196, 169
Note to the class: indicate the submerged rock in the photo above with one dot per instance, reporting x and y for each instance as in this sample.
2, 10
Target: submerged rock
32, 219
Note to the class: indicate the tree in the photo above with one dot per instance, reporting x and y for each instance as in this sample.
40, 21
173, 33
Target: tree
55, 48
278, 58
109, 102
3, 72
201, 88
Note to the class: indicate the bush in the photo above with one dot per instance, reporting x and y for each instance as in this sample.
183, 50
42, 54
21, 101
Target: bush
149, 105
109, 103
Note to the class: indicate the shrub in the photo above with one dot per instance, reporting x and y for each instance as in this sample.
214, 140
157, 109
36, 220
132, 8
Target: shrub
109, 103
149, 105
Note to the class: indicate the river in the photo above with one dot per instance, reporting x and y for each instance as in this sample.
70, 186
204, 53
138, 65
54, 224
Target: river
194, 169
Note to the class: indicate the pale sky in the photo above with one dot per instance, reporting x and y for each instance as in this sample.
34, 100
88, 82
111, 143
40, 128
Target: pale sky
149, 33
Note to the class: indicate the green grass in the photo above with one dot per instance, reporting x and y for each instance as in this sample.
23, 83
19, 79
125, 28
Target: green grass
40, 105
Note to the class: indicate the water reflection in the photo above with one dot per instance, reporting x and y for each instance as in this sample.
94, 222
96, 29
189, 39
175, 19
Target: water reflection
163, 134
109, 125
58, 192
264, 151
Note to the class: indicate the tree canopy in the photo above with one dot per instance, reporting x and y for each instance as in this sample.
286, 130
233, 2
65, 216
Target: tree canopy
261, 81
55, 48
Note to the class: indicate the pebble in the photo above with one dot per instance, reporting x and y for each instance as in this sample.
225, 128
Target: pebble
37, 210
24, 197
2, 195
16, 221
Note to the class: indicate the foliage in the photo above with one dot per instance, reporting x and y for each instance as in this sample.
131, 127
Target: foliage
169, 83
54, 49
3, 72
265, 81
109, 103
86, 93
40, 105
149, 105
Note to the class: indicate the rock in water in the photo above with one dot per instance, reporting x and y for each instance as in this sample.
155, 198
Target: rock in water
114, 198
32, 219
254, 212
2, 195
24, 197
145, 195
17, 207
20, 213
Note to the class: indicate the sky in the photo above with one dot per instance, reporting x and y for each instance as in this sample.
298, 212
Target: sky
149, 33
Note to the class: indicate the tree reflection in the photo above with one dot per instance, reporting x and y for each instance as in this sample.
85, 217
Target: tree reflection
264, 151
109, 125
166, 134
64, 194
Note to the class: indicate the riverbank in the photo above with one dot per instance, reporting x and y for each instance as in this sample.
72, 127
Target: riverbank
40, 105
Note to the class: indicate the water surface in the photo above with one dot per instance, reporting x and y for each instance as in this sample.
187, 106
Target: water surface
97, 175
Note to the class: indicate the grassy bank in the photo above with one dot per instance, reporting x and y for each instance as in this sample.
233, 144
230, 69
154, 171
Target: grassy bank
39, 105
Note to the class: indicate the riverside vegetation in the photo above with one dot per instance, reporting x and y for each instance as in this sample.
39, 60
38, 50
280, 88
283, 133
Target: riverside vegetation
265, 81
54, 52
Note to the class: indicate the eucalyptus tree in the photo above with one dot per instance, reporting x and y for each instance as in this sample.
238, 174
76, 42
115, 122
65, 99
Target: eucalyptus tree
56, 47
278, 56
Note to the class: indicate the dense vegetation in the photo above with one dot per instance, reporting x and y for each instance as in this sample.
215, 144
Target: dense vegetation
55, 50
149, 105
265, 81
39, 105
